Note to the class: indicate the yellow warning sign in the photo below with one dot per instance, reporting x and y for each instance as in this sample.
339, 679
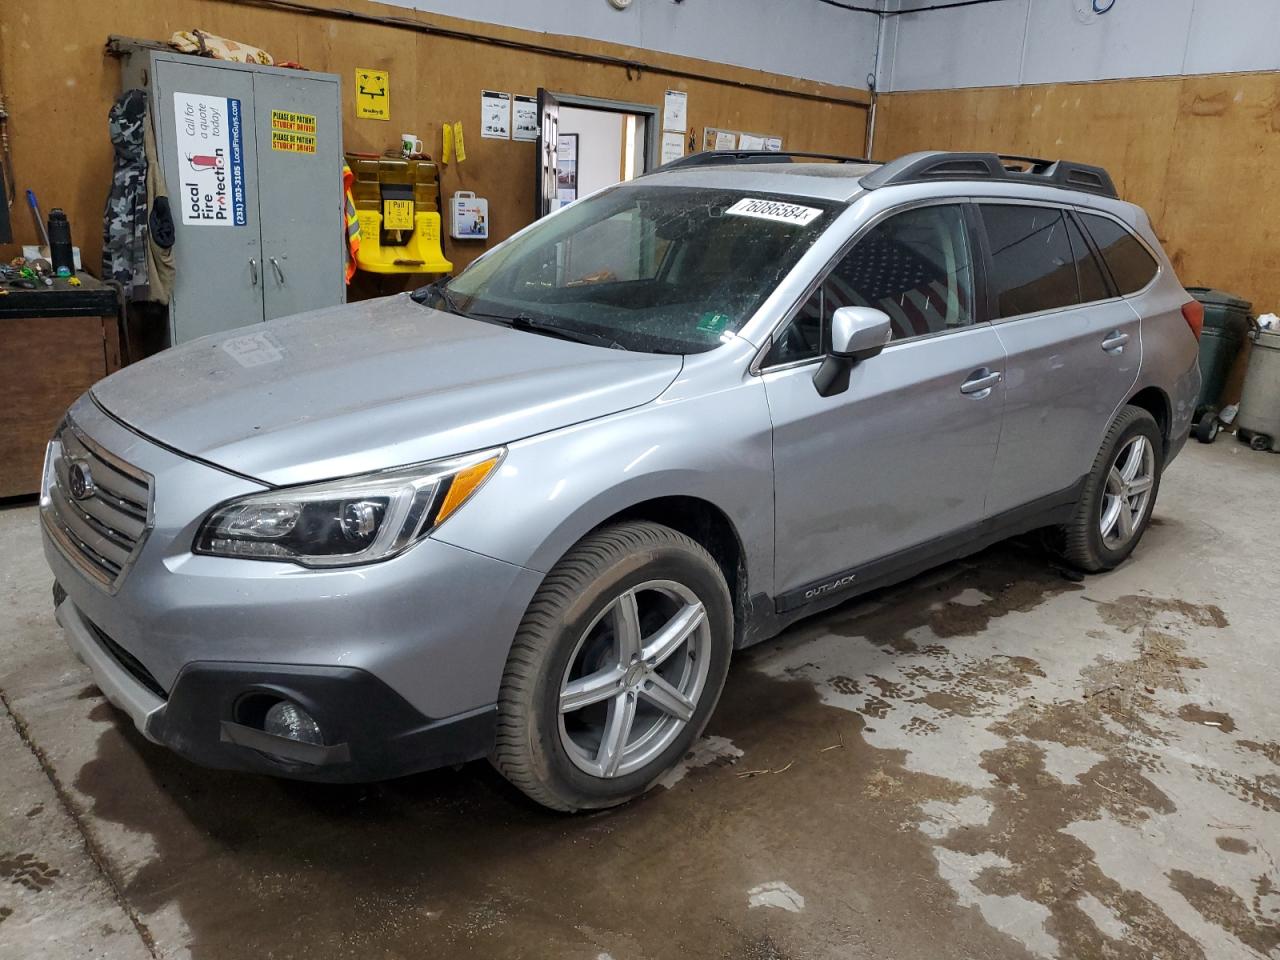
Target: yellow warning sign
397, 214
293, 132
373, 94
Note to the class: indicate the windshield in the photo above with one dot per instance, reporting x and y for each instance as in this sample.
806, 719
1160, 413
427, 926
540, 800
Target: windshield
643, 267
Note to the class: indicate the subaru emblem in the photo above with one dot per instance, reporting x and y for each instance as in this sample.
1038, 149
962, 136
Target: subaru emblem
81, 481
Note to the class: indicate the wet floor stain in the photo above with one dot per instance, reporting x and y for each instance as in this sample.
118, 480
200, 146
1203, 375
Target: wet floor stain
27, 870
1194, 713
927, 793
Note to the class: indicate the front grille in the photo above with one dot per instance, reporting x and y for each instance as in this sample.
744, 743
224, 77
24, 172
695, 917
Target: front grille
102, 530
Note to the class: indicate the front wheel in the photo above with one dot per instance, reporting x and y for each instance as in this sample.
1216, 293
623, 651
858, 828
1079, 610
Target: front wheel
615, 669
1119, 494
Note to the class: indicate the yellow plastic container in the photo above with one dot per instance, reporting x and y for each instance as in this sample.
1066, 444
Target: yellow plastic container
398, 208
421, 254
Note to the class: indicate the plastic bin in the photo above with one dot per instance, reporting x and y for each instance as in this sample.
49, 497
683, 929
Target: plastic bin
1226, 324
1259, 418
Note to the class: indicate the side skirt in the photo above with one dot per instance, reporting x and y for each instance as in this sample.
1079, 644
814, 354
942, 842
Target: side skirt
831, 591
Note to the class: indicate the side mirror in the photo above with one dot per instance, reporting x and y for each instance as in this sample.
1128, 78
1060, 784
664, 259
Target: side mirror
857, 333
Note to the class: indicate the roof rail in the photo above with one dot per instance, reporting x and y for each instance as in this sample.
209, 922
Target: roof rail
940, 165
706, 158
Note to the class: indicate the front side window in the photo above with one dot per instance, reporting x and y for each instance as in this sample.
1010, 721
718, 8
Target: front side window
1032, 265
915, 266
1131, 266
647, 267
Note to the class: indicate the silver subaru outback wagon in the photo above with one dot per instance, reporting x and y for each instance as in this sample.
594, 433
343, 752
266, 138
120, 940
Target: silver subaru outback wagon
529, 512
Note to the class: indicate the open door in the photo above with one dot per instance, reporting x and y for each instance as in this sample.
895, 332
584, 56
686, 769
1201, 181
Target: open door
546, 196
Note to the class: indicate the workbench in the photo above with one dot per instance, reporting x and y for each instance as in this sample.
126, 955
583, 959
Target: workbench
55, 343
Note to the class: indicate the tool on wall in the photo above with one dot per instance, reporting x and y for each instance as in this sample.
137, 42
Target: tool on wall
35, 212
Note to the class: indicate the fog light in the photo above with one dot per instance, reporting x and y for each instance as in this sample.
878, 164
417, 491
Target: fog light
287, 719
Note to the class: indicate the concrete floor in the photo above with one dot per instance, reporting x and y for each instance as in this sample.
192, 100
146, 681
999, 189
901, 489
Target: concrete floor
989, 762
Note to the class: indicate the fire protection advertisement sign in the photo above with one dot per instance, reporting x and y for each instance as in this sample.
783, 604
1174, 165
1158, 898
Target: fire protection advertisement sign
210, 142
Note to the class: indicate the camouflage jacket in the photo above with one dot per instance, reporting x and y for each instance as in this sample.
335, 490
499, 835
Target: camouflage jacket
124, 228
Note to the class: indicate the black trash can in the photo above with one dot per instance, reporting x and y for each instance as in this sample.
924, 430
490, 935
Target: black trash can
1226, 324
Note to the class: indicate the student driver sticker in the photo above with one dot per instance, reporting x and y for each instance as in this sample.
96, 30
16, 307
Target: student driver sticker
293, 132
775, 210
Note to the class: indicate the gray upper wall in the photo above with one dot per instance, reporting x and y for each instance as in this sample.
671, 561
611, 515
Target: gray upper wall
797, 38
1013, 42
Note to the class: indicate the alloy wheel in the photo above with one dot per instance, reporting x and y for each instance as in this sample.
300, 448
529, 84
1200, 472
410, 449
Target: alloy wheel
1128, 492
634, 679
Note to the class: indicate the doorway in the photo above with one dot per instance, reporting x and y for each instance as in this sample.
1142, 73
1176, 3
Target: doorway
585, 144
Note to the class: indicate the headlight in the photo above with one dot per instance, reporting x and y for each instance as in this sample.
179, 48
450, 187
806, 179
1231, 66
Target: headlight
348, 521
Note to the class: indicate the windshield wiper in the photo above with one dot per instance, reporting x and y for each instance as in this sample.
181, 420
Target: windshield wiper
522, 321
439, 290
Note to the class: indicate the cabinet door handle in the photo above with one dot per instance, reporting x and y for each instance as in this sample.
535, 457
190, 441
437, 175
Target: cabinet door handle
253, 270
275, 265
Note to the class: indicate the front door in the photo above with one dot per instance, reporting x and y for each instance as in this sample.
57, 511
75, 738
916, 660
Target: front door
1073, 350
904, 456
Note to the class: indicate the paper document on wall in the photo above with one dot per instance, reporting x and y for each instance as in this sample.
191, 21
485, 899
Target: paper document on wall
672, 145
726, 140
773, 144
495, 115
749, 141
675, 110
525, 118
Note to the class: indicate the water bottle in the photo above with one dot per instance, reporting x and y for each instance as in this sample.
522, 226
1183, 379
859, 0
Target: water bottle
60, 243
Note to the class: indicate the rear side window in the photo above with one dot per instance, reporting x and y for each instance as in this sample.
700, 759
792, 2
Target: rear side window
1093, 286
1032, 264
1131, 266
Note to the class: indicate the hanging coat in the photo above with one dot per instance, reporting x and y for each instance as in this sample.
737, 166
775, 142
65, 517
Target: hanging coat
124, 222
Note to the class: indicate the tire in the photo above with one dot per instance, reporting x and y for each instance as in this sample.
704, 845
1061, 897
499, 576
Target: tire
570, 644
1086, 545
1260, 441
1207, 427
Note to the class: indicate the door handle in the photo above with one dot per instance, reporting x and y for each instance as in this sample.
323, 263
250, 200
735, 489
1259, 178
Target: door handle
980, 383
275, 265
1115, 341
253, 270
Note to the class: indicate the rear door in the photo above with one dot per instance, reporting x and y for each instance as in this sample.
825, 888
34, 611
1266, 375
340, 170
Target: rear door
1073, 348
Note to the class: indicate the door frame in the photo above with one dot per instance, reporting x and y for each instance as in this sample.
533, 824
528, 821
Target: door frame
547, 151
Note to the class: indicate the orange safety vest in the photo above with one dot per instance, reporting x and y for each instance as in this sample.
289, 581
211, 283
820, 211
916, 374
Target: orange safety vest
350, 223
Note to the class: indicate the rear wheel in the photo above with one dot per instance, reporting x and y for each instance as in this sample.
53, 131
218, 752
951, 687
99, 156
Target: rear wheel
615, 669
1119, 494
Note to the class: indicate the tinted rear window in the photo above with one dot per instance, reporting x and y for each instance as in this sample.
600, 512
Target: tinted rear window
1131, 266
1032, 267
1093, 286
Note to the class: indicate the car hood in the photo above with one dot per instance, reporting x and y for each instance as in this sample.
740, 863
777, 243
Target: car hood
370, 385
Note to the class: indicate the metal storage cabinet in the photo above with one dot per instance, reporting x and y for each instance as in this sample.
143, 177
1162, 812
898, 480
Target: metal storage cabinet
266, 240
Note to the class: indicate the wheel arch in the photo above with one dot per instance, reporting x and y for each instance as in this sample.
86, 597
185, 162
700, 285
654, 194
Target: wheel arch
1156, 402
707, 524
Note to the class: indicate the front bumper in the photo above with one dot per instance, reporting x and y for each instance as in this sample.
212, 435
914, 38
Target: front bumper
371, 732
400, 662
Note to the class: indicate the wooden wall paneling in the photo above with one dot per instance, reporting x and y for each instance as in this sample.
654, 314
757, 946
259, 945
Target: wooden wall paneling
59, 94
1198, 153
45, 364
